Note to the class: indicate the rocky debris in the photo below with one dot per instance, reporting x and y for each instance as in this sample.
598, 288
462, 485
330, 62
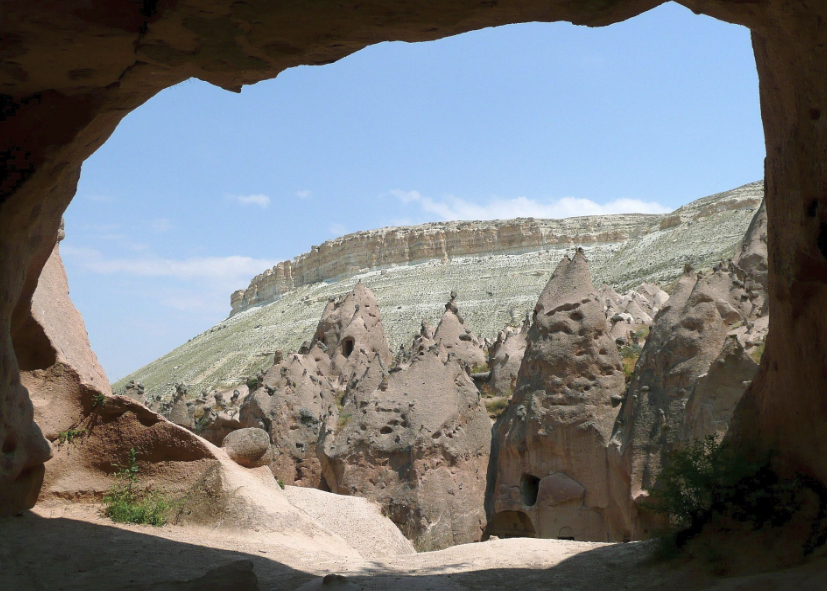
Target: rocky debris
505, 358
417, 442
249, 447
550, 478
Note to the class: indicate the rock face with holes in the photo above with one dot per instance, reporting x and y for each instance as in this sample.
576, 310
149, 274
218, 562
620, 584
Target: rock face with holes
290, 406
298, 392
551, 476
695, 367
416, 440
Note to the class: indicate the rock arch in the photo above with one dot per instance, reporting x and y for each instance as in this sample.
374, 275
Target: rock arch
71, 73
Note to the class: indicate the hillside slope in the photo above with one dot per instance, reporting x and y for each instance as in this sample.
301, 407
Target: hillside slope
495, 288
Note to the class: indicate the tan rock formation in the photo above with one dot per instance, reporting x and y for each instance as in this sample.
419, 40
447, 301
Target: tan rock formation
505, 359
552, 444
453, 334
107, 62
290, 406
691, 374
417, 442
350, 335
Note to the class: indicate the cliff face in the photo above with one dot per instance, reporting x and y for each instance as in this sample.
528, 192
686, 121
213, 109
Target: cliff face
495, 289
385, 247
442, 241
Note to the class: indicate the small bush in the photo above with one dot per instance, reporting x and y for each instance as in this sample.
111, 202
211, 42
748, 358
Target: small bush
344, 419
98, 400
629, 356
124, 504
496, 406
709, 480
758, 353
69, 435
281, 483
480, 368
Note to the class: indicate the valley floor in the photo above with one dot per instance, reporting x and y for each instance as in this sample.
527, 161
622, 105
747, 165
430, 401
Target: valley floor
63, 546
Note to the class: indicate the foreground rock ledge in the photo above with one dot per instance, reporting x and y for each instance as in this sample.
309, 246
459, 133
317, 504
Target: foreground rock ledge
64, 94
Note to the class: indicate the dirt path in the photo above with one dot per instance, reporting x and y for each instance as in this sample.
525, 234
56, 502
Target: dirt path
70, 547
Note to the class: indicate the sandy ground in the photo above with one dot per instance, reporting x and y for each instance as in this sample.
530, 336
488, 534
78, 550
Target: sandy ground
70, 546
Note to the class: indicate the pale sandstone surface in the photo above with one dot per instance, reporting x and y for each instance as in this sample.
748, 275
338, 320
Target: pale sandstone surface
552, 443
356, 520
36, 553
494, 291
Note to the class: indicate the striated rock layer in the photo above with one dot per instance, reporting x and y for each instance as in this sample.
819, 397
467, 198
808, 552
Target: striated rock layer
376, 249
495, 290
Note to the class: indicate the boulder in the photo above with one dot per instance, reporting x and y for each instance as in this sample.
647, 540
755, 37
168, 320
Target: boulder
249, 447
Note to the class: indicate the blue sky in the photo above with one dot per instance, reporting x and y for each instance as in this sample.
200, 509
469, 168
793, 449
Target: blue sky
200, 189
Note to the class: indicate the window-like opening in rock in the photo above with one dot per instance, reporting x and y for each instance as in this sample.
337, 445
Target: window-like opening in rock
347, 346
529, 487
566, 533
511, 524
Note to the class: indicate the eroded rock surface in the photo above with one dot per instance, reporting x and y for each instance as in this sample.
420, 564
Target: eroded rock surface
700, 358
417, 442
552, 457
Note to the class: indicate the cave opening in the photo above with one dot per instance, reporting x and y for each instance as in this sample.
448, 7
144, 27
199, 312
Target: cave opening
529, 489
348, 343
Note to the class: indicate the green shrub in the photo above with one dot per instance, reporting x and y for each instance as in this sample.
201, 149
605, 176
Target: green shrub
124, 504
708, 480
98, 400
496, 406
69, 435
344, 419
281, 483
629, 356
757, 353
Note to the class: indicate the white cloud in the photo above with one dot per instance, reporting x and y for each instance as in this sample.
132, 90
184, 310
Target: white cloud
303, 194
161, 225
454, 208
337, 229
263, 201
231, 270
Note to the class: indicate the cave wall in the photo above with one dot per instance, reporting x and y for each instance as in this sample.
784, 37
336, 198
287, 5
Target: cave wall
70, 71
